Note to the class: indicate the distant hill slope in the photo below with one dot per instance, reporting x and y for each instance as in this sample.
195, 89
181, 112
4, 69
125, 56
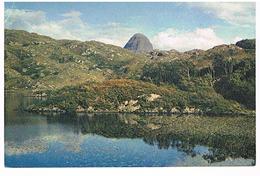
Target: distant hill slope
246, 44
39, 63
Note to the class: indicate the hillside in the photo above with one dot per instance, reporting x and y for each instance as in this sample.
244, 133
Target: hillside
38, 62
95, 76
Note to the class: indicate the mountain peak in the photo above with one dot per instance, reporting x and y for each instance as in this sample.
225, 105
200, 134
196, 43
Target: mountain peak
139, 43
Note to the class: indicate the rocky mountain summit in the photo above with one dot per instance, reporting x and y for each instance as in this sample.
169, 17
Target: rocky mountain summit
139, 43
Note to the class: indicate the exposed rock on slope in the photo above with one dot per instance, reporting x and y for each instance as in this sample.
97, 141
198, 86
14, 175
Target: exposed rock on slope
139, 43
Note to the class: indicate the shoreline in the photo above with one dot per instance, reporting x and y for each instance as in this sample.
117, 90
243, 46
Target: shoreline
144, 113
30, 93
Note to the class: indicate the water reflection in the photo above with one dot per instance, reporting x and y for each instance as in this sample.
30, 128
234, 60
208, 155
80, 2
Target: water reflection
124, 139
220, 147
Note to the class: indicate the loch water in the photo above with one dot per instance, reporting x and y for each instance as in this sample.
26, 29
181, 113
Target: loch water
112, 140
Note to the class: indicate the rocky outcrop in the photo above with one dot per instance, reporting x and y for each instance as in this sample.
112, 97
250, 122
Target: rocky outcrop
191, 110
155, 54
80, 109
152, 126
153, 97
139, 43
129, 106
174, 110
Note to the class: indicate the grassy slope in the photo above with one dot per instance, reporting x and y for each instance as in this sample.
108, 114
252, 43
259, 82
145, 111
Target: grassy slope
92, 70
63, 62
110, 95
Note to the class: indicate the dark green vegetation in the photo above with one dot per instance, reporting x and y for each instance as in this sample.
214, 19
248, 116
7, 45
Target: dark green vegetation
125, 95
246, 44
92, 76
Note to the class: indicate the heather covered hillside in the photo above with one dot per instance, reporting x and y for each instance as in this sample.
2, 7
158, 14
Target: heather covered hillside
97, 77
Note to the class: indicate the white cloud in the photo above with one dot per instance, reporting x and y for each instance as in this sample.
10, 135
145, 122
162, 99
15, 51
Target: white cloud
72, 14
23, 18
236, 39
114, 33
201, 38
40, 144
236, 13
70, 27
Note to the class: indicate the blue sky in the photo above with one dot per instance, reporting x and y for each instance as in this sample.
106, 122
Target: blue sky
181, 26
